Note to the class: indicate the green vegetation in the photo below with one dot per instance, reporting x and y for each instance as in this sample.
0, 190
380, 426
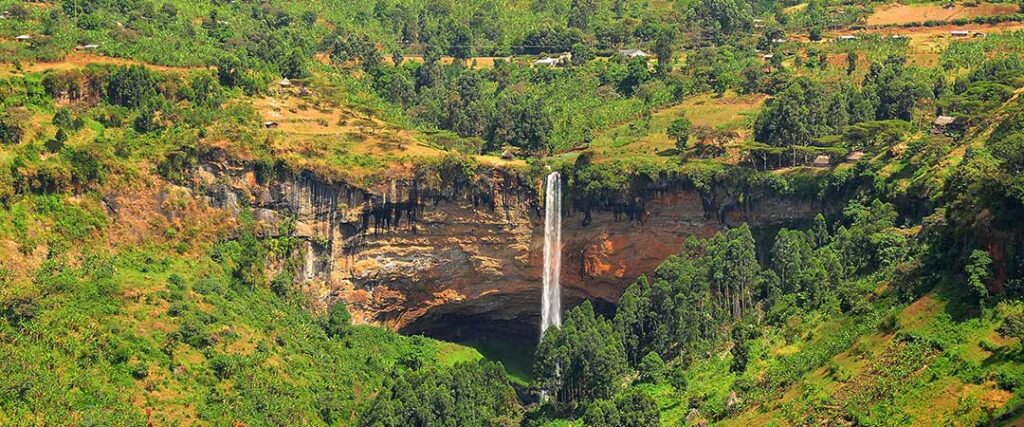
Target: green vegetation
195, 330
136, 287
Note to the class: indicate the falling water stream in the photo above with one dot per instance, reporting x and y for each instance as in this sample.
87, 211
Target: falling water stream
551, 300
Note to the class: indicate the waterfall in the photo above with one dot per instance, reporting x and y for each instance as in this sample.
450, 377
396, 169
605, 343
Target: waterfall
551, 299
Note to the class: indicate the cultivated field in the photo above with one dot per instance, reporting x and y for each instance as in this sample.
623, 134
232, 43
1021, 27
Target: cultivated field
79, 60
896, 14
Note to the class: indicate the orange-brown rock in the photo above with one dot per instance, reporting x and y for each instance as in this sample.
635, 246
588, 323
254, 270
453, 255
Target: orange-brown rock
423, 260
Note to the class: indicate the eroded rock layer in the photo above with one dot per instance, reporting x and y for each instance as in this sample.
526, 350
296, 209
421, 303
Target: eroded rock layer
422, 258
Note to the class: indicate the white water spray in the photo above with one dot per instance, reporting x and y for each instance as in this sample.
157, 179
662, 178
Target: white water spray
551, 300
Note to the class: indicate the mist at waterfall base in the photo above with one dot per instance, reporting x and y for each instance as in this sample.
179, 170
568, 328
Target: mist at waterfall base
551, 296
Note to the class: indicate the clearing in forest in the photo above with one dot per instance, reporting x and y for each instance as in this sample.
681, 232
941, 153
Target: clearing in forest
338, 141
896, 14
636, 139
78, 60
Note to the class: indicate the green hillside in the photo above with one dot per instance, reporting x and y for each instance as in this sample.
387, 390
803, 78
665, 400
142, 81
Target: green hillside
132, 293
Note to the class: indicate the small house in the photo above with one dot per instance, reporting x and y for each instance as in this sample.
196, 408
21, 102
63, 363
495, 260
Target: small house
87, 47
547, 62
960, 33
822, 161
855, 156
285, 82
633, 53
303, 91
23, 38
270, 124
846, 37
780, 40
943, 124
768, 56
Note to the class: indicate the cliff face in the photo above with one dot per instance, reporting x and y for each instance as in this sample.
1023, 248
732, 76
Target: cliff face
444, 262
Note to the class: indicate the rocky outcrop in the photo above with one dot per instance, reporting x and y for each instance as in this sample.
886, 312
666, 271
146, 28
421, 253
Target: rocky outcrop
447, 260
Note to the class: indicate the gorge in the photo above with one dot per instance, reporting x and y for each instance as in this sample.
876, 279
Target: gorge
458, 258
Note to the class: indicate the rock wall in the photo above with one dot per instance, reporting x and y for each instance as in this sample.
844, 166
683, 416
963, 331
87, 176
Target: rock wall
437, 260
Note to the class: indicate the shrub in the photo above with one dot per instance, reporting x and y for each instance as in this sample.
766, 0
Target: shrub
282, 283
337, 321
652, 368
139, 371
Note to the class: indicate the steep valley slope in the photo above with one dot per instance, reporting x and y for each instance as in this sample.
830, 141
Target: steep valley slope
449, 261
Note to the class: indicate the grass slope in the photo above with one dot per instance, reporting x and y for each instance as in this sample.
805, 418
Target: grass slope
101, 336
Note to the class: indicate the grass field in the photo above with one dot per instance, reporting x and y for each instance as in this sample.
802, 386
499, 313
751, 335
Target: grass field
79, 60
632, 141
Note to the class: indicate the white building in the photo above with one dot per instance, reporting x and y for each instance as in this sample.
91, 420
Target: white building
633, 53
547, 62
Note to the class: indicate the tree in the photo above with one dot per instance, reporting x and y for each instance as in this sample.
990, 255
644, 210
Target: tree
784, 121
663, 50
741, 336
636, 74
356, 47
294, 65
602, 413
711, 140
230, 71
680, 130
149, 119
893, 90
815, 34
466, 394
57, 142
520, 120
461, 46
632, 408
132, 86
851, 62
637, 409
629, 319
63, 119
11, 127
1013, 326
581, 12
805, 110
308, 17
979, 272
652, 369
400, 89
721, 19
791, 253
582, 53
581, 361
337, 321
